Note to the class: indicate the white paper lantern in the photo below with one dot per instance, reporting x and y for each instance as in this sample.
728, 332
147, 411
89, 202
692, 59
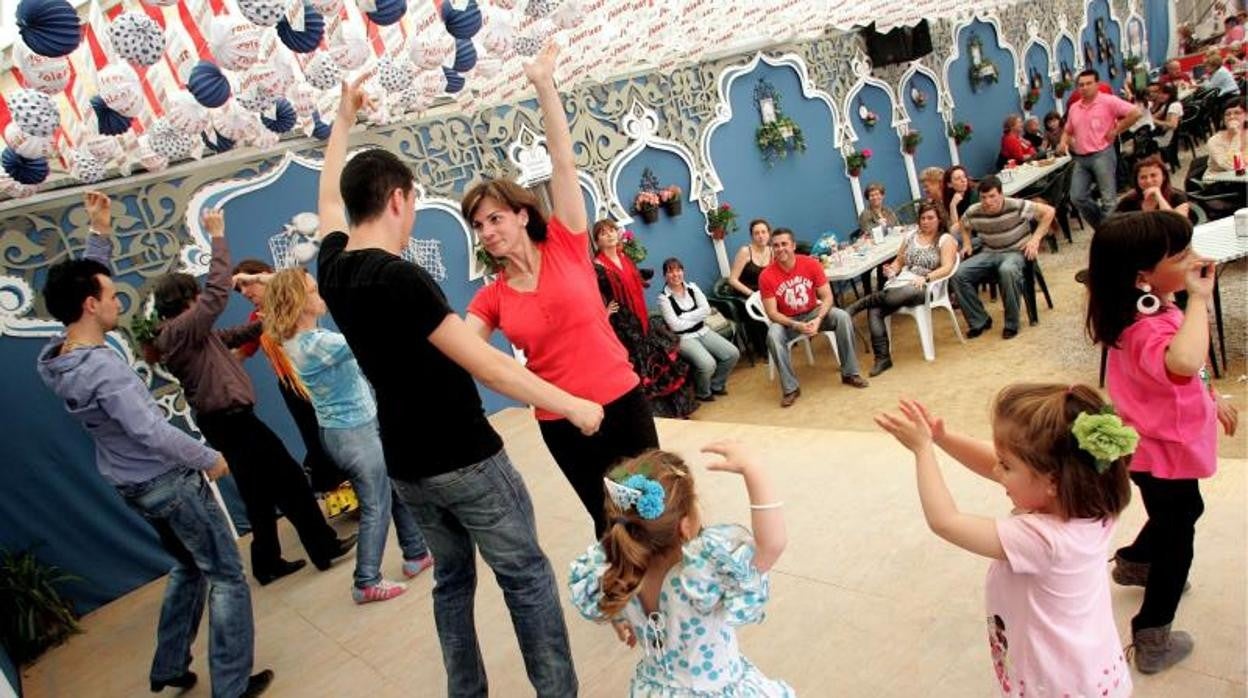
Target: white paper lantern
306, 223
26, 145
254, 101
148, 157
137, 38
103, 148
302, 97
530, 42
304, 251
265, 13
569, 15
488, 67
120, 89
431, 83
432, 48
86, 167
323, 72
160, 3
48, 75
327, 8
168, 142
34, 112
264, 139
263, 79
235, 42
185, 114
498, 38
352, 49
234, 123
394, 75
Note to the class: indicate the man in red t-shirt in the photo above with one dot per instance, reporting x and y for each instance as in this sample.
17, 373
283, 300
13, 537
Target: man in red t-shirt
798, 301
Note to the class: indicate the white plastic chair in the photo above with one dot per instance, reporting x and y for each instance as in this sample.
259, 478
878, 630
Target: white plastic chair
937, 297
754, 308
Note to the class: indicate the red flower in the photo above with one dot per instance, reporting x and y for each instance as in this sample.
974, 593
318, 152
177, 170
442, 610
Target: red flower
968, 128
725, 207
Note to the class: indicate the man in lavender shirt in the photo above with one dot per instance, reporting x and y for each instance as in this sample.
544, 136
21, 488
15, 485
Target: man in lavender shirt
158, 469
1093, 123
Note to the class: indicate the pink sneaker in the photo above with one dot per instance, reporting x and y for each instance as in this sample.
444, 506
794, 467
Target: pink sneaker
411, 568
381, 591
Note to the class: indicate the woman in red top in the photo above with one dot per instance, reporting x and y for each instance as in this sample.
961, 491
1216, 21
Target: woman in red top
539, 303
1013, 145
653, 350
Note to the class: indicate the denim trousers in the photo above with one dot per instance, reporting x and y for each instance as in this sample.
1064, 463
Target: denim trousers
486, 506
1102, 168
357, 451
191, 527
712, 357
836, 321
1006, 268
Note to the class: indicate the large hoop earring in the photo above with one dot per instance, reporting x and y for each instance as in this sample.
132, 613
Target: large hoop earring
1147, 303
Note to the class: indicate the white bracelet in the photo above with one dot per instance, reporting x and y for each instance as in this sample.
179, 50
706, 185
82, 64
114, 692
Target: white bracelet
773, 505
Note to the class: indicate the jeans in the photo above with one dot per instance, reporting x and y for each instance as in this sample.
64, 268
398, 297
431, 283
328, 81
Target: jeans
627, 430
1165, 543
1007, 267
880, 305
837, 321
357, 450
191, 527
712, 357
1101, 167
268, 478
486, 506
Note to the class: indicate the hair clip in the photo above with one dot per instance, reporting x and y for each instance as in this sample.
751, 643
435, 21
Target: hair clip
638, 492
1104, 436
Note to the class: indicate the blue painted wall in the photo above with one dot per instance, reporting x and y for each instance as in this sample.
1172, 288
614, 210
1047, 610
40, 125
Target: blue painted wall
1099, 9
682, 236
1067, 59
808, 191
934, 150
887, 164
986, 107
1037, 60
1157, 24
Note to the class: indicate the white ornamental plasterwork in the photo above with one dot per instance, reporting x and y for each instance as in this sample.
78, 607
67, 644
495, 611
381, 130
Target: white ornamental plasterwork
898, 116
1002, 43
529, 155
944, 106
641, 125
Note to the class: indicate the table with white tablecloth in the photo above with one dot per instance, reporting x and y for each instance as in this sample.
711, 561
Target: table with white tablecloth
1016, 179
1218, 241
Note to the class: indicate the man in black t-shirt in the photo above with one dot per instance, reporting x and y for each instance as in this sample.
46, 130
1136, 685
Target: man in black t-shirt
446, 461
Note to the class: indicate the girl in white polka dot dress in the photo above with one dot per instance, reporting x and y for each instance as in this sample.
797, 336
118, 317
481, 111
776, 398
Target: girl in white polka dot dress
678, 589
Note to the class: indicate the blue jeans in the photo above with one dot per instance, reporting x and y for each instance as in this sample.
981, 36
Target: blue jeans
180, 506
712, 357
1006, 267
486, 506
836, 321
357, 451
1101, 167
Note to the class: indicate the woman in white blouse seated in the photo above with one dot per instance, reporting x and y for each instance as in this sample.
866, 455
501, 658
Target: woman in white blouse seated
685, 309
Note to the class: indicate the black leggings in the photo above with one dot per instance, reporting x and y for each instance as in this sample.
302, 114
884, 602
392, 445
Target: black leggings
268, 478
627, 430
1165, 543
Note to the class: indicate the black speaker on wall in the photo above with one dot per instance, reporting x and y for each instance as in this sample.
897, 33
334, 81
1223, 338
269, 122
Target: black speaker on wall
900, 45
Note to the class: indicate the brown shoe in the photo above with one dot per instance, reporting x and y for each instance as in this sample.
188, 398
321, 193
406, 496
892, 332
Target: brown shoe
855, 380
788, 399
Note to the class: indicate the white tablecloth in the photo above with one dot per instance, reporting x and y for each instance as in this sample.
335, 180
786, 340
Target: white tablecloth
1217, 241
1027, 174
854, 265
1226, 177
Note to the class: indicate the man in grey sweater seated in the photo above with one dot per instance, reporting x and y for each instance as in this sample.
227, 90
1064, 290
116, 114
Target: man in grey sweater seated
158, 470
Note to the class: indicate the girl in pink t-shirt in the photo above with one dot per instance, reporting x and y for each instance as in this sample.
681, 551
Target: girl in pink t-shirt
1156, 377
1061, 454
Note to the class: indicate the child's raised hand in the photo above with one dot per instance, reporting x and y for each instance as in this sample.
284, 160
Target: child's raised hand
737, 458
911, 428
935, 424
1200, 277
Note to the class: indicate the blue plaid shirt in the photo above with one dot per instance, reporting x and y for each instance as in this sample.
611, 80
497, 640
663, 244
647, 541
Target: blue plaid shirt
340, 394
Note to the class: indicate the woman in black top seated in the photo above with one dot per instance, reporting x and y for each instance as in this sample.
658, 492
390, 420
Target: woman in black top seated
1151, 190
751, 259
959, 195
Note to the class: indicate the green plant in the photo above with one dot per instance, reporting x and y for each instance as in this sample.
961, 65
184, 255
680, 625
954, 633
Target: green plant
856, 161
778, 138
33, 615
143, 331
1060, 87
1033, 96
631, 246
487, 261
722, 219
910, 142
960, 132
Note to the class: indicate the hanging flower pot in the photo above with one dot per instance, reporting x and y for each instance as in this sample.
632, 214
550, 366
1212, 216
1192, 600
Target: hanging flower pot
854, 172
671, 200
649, 215
718, 233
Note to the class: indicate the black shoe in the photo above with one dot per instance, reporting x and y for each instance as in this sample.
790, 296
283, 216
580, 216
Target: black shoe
258, 683
184, 682
341, 547
1007, 333
880, 366
719, 391
707, 398
976, 331
284, 567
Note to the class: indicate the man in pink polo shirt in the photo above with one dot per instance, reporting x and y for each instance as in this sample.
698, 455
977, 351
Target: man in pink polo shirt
1092, 125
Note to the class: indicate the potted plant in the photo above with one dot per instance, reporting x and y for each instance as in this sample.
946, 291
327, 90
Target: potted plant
33, 615
721, 221
1060, 87
143, 329
646, 204
777, 138
671, 200
856, 161
487, 261
1033, 96
960, 132
631, 246
910, 142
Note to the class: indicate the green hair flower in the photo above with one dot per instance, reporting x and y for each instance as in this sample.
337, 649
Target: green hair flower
1104, 437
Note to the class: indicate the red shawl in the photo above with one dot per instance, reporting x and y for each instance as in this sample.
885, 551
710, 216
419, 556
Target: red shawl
626, 286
